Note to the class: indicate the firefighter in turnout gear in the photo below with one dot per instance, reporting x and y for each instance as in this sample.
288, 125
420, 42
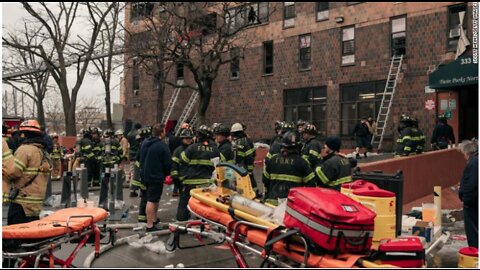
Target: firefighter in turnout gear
244, 152
407, 140
7, 162
87, 156
286, 170
199, 167
57, 157
178, 168
278, 136
28, 175
275, 147
335, 168
96, 161
418, 137
222, 133
312, 148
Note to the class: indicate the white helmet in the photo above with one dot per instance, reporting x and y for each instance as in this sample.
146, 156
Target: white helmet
236, 127
119, 132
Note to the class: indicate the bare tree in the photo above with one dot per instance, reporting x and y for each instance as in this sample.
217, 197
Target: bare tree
54, 111
109, 45
204, 36
58, 34
36, 82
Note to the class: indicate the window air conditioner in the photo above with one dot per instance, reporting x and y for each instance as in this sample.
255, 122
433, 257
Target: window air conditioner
135, 92
454, 32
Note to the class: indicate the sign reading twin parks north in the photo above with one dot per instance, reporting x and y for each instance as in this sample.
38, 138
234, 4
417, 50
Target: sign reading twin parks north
460, 72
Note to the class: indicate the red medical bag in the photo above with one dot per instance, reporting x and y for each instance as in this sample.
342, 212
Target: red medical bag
330, 219
405, 252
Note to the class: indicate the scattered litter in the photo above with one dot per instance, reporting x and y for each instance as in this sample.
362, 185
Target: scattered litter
180, 265
54, 201
137, 242
157, 247
119, 205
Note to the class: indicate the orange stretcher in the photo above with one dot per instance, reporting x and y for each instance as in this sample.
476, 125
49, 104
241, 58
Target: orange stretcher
255, 234
33, 243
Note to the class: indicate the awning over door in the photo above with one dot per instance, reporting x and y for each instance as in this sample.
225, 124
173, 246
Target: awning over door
457, 73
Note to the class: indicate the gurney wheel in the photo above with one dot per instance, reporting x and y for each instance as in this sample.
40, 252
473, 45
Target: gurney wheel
171, 242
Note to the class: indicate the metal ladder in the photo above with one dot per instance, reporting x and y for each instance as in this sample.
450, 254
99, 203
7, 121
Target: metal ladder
388, 93
193, 122
186, 112
171, 104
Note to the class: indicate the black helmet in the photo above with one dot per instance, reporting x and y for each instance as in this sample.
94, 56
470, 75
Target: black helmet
278, 124
94, 130
204, 130
405, 118
222, 129
108, 132
300, 122
215, 126
287, 126
291, 139
310, 129
186, 133
87, 131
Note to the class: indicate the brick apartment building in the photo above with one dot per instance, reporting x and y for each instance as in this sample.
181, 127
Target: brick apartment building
327, 62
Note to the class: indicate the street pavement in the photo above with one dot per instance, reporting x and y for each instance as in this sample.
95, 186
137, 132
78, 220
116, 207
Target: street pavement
216, 256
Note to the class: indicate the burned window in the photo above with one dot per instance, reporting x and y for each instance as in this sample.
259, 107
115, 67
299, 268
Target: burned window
235, 63
454, 27
268, 57
206, 24
140, 10
322, 11
399, 36
348, 45
305, 51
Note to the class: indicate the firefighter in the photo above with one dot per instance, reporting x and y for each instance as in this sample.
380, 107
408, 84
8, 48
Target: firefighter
275, 147
286, 170
57, 157
301, 126
312, 148
278, 137
244, 152
178, 168
7, 161
406, 143
96, 161
123, 151
199, 168
222, 133
87, 156
418, 137
29, 175
335, 169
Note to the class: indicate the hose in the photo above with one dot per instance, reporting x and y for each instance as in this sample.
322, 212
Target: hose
91, 257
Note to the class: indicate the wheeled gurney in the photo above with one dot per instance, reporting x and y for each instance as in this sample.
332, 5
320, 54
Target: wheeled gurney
34, 243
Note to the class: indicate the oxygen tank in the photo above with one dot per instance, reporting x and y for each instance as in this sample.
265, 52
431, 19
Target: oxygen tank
250, 206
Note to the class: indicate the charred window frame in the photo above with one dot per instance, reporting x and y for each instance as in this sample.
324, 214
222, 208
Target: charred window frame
308, 104
453, 29
235, 63
305, 52
348, 45
268, 57
140, 10
206, 24
399, 35
322, 11
288, 14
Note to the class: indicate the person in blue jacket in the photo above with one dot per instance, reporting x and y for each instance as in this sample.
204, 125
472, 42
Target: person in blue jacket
468, 192
156, 164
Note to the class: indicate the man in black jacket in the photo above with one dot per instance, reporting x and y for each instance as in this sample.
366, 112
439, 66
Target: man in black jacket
312, 149
335, 169
442, 135
156, 163
222, 133
362, 137
468, 192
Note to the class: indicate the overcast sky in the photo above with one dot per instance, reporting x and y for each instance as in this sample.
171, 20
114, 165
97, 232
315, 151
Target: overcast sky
12, 15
